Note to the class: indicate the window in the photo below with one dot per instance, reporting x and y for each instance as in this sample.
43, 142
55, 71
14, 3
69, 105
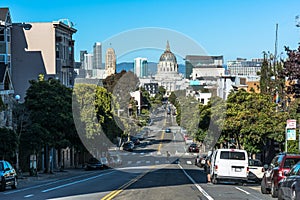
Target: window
232, 155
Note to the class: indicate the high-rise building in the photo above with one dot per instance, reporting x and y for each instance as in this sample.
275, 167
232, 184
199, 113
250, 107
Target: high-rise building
97, 53
140, 67
88, 64
82, 53
110, 62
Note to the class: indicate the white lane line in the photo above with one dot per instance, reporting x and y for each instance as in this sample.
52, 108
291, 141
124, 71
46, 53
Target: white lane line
198, 186
129, 162
75, 182
242, 190
156, 162
27, 196
148, 161
188, 162
46, 184
138, 162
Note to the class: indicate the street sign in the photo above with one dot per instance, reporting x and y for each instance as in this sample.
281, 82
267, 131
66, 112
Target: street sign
291, 134
291, 123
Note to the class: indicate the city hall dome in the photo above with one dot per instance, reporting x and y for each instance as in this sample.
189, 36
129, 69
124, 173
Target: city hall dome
168, 56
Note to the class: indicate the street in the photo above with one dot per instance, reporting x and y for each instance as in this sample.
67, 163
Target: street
146, 173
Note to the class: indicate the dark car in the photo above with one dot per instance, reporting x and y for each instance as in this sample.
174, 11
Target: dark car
128, 146
193, 148
168, 130
8, 175
289, 186
94, 163
135, 140
280, 165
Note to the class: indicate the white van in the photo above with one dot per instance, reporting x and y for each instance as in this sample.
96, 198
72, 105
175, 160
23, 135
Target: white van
230, 165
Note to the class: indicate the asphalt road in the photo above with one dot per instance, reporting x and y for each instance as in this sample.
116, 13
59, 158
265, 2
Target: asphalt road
147, 173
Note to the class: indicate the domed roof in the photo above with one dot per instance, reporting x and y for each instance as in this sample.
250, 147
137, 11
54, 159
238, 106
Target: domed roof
168, 55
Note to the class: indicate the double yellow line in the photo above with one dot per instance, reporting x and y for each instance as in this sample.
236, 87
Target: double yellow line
114, 193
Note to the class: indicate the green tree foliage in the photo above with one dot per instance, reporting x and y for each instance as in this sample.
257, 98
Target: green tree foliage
94, 112
49, 103
8, 143
251, 119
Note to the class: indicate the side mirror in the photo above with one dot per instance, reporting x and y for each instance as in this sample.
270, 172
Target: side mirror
286, 173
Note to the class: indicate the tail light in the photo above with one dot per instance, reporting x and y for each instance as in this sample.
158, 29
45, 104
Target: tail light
216, 167
247, 169
262, 170
280, 173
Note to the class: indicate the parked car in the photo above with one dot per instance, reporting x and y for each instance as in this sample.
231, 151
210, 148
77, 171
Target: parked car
135, 140
229, 164
289, 186
94, 163
256, 170
128, 146
280, 165
193, 148
8, 175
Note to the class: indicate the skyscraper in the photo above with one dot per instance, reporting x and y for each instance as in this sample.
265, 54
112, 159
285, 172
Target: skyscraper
88, 64
97, 53
110, 62
141, 67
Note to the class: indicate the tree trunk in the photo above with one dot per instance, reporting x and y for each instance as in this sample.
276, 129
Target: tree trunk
46, 159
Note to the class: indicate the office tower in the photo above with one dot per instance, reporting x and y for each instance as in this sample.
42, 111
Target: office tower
97, 53
141, 67
110, 62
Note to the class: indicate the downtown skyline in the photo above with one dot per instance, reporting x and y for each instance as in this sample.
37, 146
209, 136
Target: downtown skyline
229, 28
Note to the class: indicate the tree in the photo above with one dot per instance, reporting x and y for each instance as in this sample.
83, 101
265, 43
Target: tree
49, 103
291, 71
8, 143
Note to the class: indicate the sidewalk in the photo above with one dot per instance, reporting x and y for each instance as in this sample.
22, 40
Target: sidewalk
41, 177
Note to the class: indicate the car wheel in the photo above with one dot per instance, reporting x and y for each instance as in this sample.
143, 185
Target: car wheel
274, 192
263, 188
3, 184
294, 195
14, 185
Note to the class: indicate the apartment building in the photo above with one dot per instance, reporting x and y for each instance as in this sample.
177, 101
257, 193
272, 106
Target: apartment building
46, 48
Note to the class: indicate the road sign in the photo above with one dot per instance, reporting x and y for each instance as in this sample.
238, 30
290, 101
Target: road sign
291, 123
291, 134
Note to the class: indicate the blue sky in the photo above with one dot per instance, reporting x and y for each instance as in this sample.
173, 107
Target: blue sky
229, 28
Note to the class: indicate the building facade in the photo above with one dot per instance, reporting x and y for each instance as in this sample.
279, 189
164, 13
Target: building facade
140, 67
243, 67
47, 48
6, 86
110, 62
97, 56
167, 72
